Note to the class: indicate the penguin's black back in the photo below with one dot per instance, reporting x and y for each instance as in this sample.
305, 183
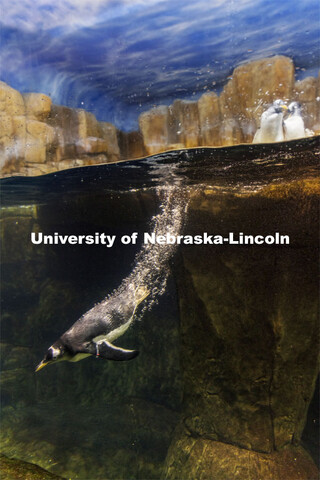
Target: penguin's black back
102, 319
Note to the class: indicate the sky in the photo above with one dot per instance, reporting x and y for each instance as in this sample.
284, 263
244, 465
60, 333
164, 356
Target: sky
120, 58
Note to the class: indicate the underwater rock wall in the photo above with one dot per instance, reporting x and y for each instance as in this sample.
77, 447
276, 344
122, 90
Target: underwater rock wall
38, 137
254, 311
12, 469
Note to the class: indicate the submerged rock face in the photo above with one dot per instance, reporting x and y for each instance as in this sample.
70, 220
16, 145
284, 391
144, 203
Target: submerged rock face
38, 137
206, 460
253, 311
12, 469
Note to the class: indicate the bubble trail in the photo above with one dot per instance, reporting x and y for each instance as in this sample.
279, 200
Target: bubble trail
151, 266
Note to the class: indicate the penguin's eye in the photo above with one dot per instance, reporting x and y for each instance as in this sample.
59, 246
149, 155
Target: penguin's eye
53, 354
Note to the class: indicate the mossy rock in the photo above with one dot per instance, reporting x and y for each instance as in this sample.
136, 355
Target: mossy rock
12, 469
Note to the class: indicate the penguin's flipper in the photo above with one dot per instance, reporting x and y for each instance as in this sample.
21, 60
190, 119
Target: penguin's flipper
108, 351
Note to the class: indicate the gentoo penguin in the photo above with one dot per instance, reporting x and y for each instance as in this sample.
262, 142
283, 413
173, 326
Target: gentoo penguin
95, 331
271, 124
294, 124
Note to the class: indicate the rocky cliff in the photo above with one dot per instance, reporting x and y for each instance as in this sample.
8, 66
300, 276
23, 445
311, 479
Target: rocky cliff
38, 137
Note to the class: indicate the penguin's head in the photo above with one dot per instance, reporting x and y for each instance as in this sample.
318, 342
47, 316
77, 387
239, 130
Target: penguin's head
294, 107
279, 106
54, 354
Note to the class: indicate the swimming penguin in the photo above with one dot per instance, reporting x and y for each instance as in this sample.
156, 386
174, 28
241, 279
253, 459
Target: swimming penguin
271, 124
95, 331
294, 124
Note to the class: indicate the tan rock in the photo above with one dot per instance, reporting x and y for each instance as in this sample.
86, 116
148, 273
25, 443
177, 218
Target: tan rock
40, 137
11, 100
251, 89
40, 131
12, 166
230, 132
232, 118
6, 152
38, 105
88, 126
184, 123
91, 145
6, 126
109, 133
305, 92
66, 119
192, 458
12, 140
65, 122
19, 126
209, 119
131, 145
34, 169
154, 128
35, 150
261, 82
81, 162
77, 132
176, 146
68, 163
227, 104
19, 132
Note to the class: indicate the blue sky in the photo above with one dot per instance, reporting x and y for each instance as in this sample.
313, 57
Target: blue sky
119, 58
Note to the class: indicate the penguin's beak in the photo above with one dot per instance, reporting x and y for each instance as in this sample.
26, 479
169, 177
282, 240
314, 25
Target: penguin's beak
284, 107
41, 365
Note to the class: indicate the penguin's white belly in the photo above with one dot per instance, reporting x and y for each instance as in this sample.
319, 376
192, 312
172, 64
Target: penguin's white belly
114, 334
270, 130
294, 128
257, 136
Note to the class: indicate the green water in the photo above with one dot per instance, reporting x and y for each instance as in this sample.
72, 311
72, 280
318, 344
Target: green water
208, 345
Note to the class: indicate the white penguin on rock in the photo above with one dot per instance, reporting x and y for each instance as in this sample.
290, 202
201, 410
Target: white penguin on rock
271, 124
294, 124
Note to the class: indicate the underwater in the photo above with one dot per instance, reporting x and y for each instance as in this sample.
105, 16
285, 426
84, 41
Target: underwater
159, 240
